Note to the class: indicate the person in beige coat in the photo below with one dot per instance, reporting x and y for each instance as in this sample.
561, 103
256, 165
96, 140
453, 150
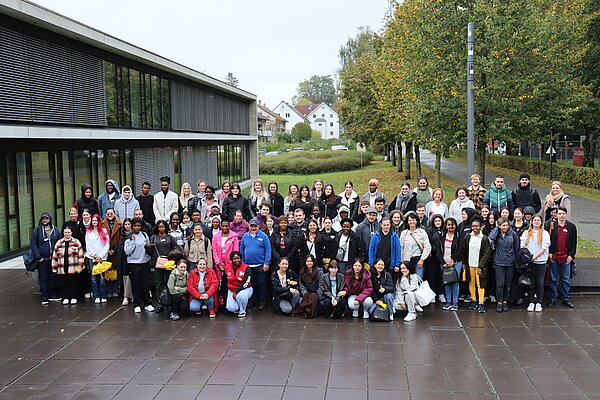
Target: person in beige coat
198, 246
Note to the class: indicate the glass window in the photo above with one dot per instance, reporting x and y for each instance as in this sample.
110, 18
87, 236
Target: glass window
128, 168
330, 115
99, 169
147, 85
156, 108
43, 184
59, 215
82, 170
68, 189
4, 245
110, 91
177, 168
126, 100
136, 98
165, 104
26, 219
113, 163
331, 124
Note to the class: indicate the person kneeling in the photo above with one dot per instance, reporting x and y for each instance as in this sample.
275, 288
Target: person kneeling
239, 284
285, 288
360, 288
177, 285
383, 287
332, 292
405, 291
202, 286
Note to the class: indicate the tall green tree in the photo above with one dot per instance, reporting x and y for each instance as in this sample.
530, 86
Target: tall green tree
318, 89
589, 114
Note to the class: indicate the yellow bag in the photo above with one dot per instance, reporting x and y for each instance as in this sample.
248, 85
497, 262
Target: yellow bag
169, 265
101, 267
111, 275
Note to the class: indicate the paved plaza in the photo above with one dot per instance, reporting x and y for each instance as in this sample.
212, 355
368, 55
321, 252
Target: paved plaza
106, 351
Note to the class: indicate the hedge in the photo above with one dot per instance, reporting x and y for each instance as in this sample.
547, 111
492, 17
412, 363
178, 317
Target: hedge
584, 176
313, 162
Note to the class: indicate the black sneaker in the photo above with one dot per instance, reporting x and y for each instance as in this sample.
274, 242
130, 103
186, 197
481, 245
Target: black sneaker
45, 301
175, 316
473, 306
568, 303
504, 307
499, 308
481, 308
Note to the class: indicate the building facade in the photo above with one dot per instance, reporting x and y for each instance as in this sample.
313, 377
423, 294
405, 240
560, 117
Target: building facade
293, 116
79, 106
323, 118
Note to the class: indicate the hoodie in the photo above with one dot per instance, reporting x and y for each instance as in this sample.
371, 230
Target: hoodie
105, 202
125, 208
464, 228
42, 243
83, 203
497, 198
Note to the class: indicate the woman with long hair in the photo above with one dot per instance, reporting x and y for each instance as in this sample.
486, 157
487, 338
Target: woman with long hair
234, 202
317, 190
310, 276
556, 198
97, 246
406, 285
67, 261
303, 201
163, 245
224, 242
256, 197
286, 293
184, 196
293, 191
537, 240
415, 243
359, 288
198, 246
224, 193
329, 202
276, 200
383, 286
126, 232
350, 199
312, 243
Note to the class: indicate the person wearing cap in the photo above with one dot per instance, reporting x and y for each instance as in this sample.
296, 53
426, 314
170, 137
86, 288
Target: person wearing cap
214, 210
166, 202
347, 245
256, 253
373, 193
366, 230
528, 212
525, 195
43, 240
126, 205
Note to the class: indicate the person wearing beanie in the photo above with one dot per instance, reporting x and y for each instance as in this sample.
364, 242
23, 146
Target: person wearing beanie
525, 195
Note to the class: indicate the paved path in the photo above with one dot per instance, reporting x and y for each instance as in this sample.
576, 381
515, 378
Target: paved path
586, 213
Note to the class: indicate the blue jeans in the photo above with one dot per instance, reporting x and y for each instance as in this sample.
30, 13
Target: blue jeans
562, 271
415, 261
451, 290
240, 302
366, 304
259, 281
196, 305
46, 279
388, 299
98, 284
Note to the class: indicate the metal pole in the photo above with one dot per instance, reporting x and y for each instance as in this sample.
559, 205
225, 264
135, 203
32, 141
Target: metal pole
470, 101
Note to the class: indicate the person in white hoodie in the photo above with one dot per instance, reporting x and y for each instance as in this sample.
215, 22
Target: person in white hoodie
126, 205
462, 201
166, 202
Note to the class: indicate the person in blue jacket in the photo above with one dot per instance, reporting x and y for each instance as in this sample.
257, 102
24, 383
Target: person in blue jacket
255, 247
42, 241
108, 199
385, 244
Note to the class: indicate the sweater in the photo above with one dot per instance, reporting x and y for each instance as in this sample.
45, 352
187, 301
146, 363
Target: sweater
125, 208
95, 247
533, 246
136, 249
408, 241
457, 206
164, 205
256, 250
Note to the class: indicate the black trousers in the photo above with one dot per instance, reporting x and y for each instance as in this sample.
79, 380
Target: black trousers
70, 285
140, 284
336, 311
179, 303
504, 277
537, 273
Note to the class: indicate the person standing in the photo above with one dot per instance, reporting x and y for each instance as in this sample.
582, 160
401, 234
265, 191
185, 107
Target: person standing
373, 193
97, 241
349, 198
437, 205
43, 239
256, 252
405, 201
525, 195
110, 196
87, 201
185, 196
537, 240
235, 202
476, 193
563, 247
555, 199
163, 245
415, 244
114, 228
67, 262
477, 254
256, 197
329, 202
224, 192
138, 264
275, 199
146, 201
461, 202
423, 192
505, 243
347, 245
198, 246
166, 202
498, 196
126, 205
453, 248
366, 230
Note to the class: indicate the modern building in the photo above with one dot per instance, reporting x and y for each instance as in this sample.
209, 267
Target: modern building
80, 106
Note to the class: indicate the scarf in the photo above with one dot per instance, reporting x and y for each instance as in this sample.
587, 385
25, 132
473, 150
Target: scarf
551, 199
402, 201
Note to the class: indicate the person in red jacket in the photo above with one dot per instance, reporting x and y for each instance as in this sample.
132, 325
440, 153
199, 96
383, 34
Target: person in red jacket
239, 285
359, 288
202, 287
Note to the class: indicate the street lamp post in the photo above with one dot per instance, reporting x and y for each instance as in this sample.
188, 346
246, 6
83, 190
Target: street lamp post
470, 101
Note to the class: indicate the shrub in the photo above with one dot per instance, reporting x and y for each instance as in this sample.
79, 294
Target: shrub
312, 162
583, 176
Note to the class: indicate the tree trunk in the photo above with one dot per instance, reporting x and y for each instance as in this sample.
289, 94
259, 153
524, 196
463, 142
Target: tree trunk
589, 146
418, 160
407, 160
438, 168
400, 166
480, 159
393, 152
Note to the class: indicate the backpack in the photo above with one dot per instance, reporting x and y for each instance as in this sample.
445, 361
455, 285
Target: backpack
31, 263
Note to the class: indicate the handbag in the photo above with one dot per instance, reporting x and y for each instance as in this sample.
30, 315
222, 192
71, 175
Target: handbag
525, 281
165, 298
449, 275
380, 314
424, 294
161, 261
31, 263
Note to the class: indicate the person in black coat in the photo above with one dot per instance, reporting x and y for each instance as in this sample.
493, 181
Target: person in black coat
312, 243
275, 199
347, 245
42, 241
235, 202
333, 296
329, 202
433, 264
76, 227
383, 286
87, 201
405, 201
283, 244
328, 234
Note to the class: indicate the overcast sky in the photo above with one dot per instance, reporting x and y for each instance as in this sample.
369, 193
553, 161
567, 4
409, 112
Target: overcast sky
270, 46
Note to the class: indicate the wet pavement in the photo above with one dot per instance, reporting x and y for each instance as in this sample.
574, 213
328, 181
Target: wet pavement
105, 351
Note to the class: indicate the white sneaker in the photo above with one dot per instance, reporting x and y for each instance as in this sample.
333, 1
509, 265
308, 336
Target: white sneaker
418, 308
137, 309
97, 300
432, 301
442, 298
149, 308
355, 314
538, 307
410, 317
492, 299
531, 307
73, 301
103, 300
125, 301
365, 314
391, 317
65, 302
88, 296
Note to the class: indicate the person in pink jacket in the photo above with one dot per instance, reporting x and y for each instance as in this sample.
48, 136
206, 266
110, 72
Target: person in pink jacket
224, 242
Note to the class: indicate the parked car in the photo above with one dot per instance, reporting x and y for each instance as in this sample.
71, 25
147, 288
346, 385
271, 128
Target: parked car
339, 147
272, 153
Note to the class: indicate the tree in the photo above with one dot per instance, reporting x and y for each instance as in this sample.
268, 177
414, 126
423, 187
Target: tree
301, 131
230, 79
589, 114
318, 89
301, 101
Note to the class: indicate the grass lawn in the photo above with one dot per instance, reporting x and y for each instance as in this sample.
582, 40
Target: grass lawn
581, 191
390, 181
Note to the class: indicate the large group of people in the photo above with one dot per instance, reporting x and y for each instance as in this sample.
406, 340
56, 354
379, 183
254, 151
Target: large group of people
309, 251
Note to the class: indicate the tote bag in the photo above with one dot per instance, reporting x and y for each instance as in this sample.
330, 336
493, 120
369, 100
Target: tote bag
449, 275
424, 294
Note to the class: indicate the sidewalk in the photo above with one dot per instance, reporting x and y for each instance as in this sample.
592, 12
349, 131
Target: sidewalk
586, 213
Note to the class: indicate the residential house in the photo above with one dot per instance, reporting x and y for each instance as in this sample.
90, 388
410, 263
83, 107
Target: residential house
292, 115
322, 118
269, 122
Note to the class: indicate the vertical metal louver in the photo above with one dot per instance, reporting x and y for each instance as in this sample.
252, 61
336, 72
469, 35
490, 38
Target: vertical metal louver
45, 82
151, 163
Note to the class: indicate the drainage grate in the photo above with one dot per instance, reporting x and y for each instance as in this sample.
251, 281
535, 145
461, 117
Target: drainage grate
445, 328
